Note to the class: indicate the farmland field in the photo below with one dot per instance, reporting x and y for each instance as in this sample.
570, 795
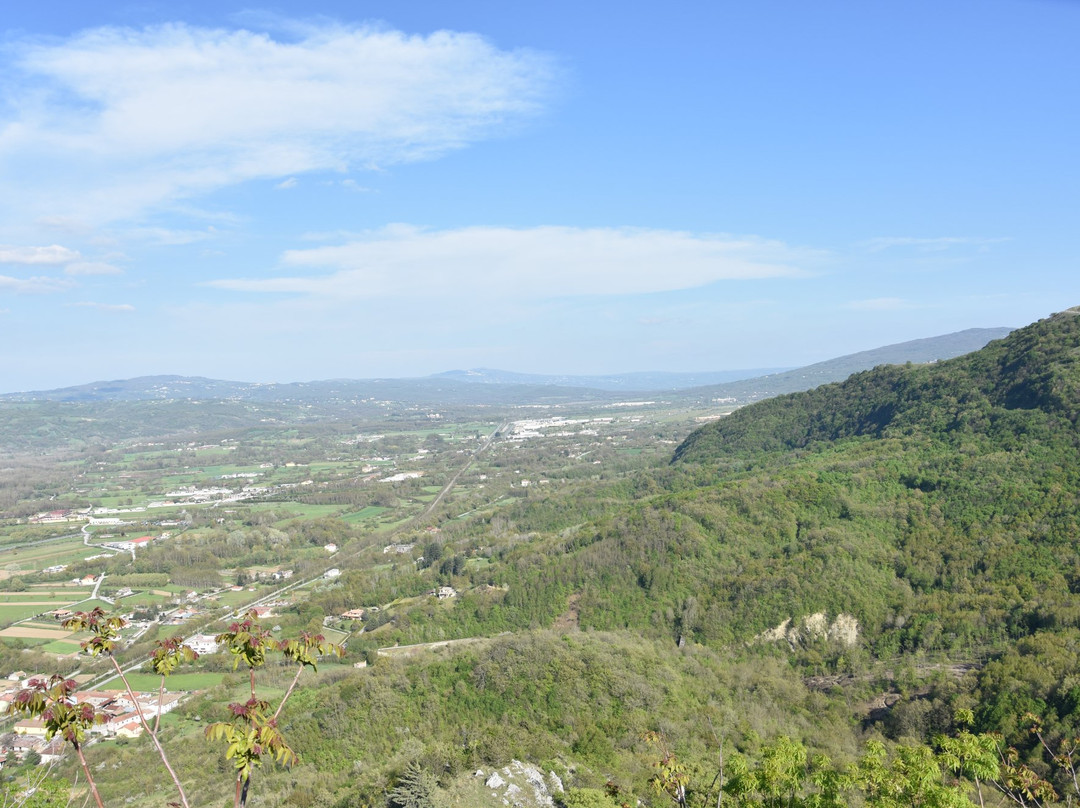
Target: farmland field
35, 633
370, 512
178, 681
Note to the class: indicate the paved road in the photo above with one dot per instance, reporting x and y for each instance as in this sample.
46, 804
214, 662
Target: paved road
86, 541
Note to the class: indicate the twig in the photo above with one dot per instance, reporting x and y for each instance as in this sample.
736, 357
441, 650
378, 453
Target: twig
152, 734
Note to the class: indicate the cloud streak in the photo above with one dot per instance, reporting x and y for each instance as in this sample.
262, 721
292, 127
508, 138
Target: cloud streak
134, 118
92, 268
53, 254
491, 263
36, 285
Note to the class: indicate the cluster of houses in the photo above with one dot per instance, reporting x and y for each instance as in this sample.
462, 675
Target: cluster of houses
401, 549
128, 545
120, 711
52, 517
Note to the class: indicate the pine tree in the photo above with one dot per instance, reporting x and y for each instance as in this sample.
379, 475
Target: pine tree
417, 788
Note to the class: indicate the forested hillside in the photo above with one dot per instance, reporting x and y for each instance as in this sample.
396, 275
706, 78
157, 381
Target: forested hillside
1026, 385
937, 504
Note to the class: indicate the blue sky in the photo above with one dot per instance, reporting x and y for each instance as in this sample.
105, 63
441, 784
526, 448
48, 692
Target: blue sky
298, 191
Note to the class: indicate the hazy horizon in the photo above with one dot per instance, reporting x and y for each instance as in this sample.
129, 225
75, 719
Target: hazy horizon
730, 374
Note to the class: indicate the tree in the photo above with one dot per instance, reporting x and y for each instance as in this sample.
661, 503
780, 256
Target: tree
36, 788
586, 798
974, 756
417, 788
105, 631
253, 730
54, 703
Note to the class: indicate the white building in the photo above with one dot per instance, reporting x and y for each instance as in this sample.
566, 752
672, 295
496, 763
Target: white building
202, 644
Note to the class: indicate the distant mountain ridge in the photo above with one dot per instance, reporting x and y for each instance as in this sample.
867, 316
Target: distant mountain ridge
499, 386
196, 388
641, 380
918, 351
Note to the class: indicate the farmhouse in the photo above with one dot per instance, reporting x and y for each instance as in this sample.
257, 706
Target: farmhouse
131, 544
398, 548
202, 644
30, 726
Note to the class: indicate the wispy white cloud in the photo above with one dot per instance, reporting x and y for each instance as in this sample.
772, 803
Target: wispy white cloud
285, 185
111, 307
118, 120
486, 263
53, 254
170, 237
92, 268
36, 285
880, 304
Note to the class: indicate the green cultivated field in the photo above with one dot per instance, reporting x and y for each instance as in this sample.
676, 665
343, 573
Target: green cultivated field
178, 681
335, 635
59, 597
11, 613
235, 598
37, 557
370, 512
61, 647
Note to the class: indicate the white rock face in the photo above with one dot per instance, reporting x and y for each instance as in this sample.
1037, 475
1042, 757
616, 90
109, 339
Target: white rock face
844, 630
556, 782
524, 785
815, 626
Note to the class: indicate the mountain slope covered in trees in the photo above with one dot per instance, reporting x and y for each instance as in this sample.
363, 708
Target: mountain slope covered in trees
937, 504
1030, 380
